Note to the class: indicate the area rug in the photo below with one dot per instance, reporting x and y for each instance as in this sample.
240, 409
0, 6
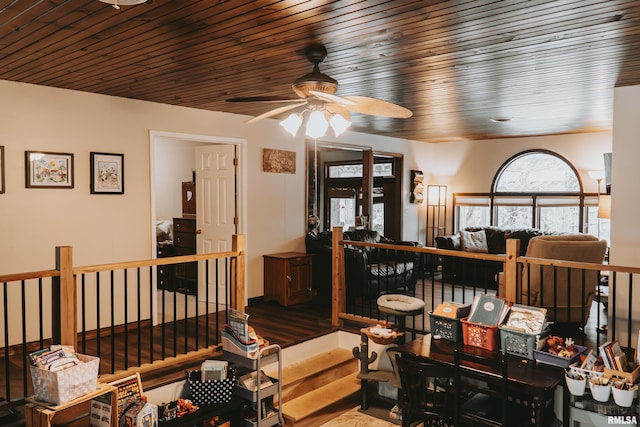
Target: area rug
356, 418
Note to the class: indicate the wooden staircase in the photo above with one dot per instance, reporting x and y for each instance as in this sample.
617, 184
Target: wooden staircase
318, 387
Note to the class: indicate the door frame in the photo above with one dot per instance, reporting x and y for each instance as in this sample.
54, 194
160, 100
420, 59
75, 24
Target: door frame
240, 144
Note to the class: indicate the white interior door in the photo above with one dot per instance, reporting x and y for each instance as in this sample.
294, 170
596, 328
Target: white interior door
215, 210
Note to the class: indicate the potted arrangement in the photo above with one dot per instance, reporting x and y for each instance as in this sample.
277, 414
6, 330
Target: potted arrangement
623, 393
600, 388
576, 383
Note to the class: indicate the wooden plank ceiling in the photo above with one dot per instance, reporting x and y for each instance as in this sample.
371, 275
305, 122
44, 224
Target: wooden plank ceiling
549, 67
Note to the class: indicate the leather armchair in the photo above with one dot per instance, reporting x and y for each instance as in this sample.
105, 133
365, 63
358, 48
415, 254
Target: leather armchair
369, 271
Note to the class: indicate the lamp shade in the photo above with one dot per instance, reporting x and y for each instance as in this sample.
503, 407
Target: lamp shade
292, 123
604, 206
339, 124
317, 125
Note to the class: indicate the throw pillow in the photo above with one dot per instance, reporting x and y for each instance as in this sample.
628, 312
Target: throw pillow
473, 241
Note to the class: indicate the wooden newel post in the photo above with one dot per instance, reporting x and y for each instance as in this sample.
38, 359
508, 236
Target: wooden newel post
338, 296
511, 270
65, 307
237, 273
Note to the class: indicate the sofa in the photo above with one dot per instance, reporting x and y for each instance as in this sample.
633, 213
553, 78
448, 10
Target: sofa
369, 271
560, 289
488, 239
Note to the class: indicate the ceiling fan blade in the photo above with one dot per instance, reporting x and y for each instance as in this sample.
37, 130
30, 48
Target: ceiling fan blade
275, 112
331, 98
339, 109
263, 99
377, 107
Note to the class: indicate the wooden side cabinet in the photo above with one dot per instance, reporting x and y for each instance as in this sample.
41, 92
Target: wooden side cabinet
287, 278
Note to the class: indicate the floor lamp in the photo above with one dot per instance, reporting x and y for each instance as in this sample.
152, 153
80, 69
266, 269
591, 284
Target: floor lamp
599, 176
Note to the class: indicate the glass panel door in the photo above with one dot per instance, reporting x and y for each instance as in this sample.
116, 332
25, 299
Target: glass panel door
342, 208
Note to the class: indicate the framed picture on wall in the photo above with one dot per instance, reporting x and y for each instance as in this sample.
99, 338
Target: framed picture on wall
1, 169
107, 173
48, 170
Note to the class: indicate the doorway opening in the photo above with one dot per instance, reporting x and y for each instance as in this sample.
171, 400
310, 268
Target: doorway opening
197, 204
353, 187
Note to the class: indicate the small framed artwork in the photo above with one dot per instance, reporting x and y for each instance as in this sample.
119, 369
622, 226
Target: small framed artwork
278, 161
48, 170
1, 169
107, 173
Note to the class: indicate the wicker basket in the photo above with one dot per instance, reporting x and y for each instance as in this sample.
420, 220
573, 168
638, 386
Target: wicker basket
59, 387
386, 339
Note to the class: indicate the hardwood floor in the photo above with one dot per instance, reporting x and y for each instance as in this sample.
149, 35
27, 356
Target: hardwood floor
285, 326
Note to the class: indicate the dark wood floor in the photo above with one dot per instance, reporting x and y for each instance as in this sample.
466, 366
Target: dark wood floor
285, 326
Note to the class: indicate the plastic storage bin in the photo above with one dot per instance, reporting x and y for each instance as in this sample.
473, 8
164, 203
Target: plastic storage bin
479, 335
448, 328
519, 343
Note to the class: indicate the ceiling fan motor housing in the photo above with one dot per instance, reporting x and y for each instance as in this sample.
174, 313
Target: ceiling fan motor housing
315, 80
311, 81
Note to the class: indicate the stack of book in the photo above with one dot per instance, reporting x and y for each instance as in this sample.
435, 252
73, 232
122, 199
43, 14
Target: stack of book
54, 358
488, 310
233, 343
525, 319
613, 357
452, 310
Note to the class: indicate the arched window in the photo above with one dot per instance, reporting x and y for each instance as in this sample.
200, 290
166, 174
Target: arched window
536, 172
533, 189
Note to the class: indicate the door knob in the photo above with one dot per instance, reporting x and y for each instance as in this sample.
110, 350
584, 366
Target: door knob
198, 231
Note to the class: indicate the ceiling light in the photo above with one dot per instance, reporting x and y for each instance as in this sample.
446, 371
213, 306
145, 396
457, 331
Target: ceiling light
292, 123
316, 122
116, 3
317, 125
339, 124
500, 119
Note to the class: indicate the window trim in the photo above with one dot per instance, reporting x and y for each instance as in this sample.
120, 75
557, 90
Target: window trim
492, 199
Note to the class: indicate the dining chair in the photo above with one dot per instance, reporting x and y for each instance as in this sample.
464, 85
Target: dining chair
425, 394
478, 399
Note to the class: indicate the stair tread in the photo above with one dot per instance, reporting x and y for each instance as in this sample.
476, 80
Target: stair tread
320, 398
315, 365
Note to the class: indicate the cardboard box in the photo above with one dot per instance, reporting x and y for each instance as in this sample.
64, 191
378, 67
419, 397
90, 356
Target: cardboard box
101, 414
140, 414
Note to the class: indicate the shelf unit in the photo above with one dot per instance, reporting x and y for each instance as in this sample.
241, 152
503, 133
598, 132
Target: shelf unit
42, 414
266, 356
586, 411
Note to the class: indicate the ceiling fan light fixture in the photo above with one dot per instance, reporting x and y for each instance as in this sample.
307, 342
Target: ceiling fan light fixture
339, 124
292, 123
317, 125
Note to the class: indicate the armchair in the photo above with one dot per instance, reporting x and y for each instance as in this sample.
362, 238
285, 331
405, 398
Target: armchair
565, 299
369, 271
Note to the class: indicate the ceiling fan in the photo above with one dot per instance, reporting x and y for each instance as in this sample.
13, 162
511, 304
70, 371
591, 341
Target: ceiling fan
316, 93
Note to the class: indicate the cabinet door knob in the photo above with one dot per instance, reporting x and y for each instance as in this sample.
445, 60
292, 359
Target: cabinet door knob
288, 278
198, 231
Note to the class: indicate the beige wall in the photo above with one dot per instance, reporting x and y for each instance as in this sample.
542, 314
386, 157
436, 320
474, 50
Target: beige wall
625, 233
113, 228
